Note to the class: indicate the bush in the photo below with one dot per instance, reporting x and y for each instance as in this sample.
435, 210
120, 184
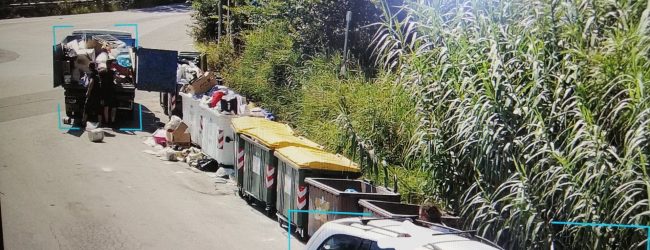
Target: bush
221, 56
263, 71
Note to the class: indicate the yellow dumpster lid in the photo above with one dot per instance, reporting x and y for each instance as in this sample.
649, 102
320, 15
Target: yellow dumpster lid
273, 139
316, 159
248, 122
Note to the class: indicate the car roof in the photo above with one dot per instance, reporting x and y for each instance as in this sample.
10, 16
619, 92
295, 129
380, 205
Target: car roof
389, 233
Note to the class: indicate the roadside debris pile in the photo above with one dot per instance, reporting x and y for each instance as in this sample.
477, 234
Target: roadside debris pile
168, 152
172, 143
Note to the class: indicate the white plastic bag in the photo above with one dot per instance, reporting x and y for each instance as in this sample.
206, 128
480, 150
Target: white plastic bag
173, 123
96, 135
223, 172
101, 60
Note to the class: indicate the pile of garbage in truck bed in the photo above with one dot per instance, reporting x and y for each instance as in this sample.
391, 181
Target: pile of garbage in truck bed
99, 49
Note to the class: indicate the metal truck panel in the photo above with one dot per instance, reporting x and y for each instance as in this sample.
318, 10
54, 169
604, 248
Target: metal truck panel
156, 70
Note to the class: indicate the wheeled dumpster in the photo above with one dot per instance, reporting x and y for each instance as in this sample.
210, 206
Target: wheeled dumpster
208, 127
240, 124
294, 165
340, 195
199, 124
260, 164
217, 139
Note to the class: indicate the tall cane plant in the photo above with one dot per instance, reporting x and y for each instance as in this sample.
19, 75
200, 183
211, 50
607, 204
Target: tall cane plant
530, 111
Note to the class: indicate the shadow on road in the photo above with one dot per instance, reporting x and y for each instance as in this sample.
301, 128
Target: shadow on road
176, 8
128, 125
76, 132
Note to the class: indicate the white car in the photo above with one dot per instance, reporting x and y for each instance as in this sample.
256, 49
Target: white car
392, 234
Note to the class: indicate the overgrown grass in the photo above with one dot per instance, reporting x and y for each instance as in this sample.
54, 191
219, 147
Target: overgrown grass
262, 72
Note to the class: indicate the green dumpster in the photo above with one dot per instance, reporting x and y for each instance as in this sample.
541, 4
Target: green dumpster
259, 180
241, 124
294, 165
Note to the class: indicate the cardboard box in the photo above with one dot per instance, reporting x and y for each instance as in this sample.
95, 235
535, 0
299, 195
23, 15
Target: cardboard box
202, 84
180, 136
182, 139
182, 127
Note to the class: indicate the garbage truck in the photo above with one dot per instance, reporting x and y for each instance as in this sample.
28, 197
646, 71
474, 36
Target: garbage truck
136, 68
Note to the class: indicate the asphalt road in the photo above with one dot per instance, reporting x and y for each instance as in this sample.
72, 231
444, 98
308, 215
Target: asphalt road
60, 191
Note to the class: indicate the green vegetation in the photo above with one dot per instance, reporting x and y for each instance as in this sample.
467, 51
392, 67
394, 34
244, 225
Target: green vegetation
511, 113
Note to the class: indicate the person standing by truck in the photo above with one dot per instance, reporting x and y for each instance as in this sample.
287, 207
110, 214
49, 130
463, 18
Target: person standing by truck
92, 105
108, 101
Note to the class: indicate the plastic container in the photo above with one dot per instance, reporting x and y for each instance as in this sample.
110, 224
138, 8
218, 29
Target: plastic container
294, 165
241, 124
244, 123
208, 134
331, 195
191, 112
260, 165
199, 122
217, 139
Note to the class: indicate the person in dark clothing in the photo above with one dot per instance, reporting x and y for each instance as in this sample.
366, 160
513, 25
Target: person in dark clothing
92, 105
430, 212
107, 80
